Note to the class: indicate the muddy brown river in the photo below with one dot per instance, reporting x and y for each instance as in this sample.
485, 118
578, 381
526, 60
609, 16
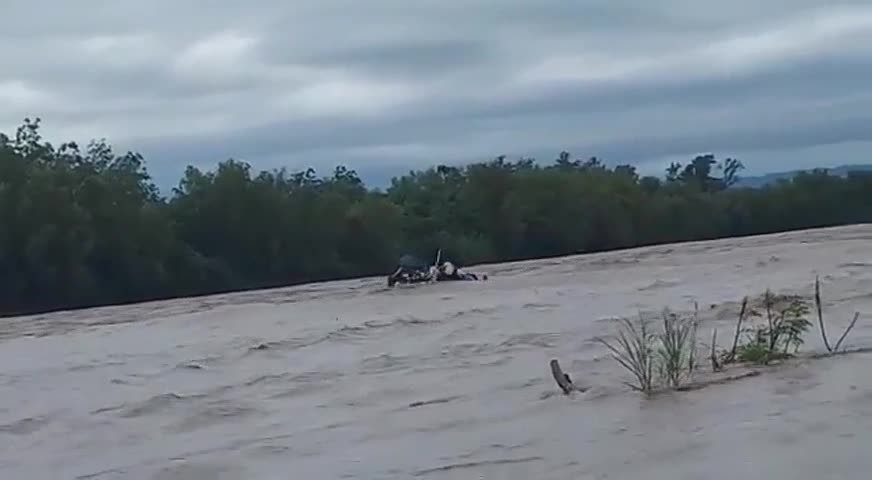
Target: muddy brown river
350, 380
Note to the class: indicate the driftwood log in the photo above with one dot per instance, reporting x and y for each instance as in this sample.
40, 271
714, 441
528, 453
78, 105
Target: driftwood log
562, 379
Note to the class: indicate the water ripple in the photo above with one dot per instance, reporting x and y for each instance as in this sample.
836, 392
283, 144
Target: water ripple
443, 380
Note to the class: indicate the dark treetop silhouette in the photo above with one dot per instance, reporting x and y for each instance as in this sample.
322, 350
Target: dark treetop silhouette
85, 227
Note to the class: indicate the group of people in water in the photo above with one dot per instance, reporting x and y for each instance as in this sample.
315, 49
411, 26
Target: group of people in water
411, 270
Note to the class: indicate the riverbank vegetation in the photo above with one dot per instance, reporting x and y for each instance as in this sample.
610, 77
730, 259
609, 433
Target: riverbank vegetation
769, 329
84, 225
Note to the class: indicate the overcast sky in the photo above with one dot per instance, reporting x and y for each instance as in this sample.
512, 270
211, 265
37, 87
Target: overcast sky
385, 86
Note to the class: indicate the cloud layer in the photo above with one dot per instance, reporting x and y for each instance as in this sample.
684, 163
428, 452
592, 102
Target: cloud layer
386, 86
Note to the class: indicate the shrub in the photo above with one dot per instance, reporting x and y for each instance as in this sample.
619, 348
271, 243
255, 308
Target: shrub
785, 324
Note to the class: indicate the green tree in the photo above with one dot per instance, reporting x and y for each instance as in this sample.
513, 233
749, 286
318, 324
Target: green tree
88, 227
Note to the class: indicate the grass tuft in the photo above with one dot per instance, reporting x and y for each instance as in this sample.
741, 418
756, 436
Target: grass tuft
634, 350
676, 353
671, 353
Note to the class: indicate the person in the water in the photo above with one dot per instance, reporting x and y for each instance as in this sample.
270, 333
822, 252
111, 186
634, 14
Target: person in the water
447, 271
412, 270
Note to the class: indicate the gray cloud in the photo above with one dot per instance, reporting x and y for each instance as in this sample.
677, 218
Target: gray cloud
387, 86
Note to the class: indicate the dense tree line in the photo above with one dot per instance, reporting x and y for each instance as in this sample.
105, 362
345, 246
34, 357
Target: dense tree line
86, 226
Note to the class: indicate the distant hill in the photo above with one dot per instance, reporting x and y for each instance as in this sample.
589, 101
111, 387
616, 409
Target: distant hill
759, 181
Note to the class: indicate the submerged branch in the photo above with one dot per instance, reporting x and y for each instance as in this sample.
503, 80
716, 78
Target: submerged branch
716, 365
847, 330
562, 379
732, 356
820, 315
817, 302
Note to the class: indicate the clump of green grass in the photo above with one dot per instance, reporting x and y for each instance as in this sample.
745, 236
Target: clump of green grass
676, 354
671, 353
634, 350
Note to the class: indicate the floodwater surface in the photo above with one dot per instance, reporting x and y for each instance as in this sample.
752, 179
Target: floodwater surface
352, 380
